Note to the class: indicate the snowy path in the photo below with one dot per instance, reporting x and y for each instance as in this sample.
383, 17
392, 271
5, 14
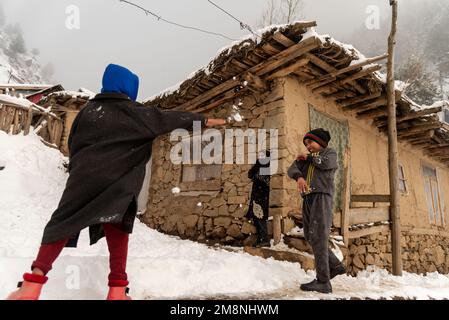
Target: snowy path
159, 266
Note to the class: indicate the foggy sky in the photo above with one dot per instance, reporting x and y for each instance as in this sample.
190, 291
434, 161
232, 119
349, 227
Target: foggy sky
161, 54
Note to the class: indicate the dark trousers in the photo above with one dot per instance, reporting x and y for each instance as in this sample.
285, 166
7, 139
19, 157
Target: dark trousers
262, 229
317, 222
117, 241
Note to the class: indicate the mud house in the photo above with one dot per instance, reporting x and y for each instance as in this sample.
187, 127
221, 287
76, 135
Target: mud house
48, 109
291, 79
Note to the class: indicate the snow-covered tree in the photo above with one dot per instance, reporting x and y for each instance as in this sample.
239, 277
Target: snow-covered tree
421, 83
282, 11
48, 71
17, 44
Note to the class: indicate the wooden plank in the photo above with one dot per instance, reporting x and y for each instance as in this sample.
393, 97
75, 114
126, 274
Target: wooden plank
368, 231
9, 119
370, 198
328, 68
351, 78
411, 116
341, 95
350, 68
346, 198
374, 113
287, 55
368, 215
438, 146
16, 124
29, 119
288, 70
282, 39
3, 114
358, 99
255, 82
321, 84
268, 48
361, 74
418, 129
218, 101
277, 228
58, 134
379, 102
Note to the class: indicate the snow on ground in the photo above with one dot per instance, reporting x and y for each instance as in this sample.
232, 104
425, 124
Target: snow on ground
159, 266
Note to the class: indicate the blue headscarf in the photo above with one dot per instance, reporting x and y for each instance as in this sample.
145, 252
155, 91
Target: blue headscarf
119, 79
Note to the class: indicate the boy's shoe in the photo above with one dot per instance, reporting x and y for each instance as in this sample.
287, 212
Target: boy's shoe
317, 286
118, 290
263, 244
118, 293
337, 270
30, 288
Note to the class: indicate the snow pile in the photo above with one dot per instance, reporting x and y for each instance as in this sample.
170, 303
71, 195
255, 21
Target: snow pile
159, 266
7, 99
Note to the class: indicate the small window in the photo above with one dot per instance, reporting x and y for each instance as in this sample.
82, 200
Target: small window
402, 180
201, 172
433, 196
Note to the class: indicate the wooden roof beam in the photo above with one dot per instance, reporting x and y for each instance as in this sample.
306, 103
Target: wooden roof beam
289, 69
358, 99
262, 68
328, 68
379, 102
351, 78
418, 129
350, 68
411, 116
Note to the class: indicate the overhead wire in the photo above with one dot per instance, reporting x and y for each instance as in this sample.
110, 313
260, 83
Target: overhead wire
160, 18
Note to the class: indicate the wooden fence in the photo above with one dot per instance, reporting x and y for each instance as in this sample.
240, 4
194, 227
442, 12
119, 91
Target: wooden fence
367, 216
15, 119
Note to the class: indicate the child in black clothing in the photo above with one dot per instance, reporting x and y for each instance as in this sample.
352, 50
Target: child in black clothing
314, 173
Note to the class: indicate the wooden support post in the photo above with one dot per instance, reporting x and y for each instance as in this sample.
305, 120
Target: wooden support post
277, 228
346, 199
393, 148
29, 118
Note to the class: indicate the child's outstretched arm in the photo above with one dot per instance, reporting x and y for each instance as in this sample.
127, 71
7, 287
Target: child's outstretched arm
325, 160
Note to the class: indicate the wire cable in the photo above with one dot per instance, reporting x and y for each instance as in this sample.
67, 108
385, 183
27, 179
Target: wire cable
159, 18
242, 25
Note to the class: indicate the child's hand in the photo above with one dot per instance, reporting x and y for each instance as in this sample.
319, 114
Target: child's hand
302, 185
302, 157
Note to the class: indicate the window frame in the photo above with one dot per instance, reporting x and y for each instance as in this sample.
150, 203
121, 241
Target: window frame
404, 179
434, 219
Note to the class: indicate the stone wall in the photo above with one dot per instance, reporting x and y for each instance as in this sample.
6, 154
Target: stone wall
217, 214
421, 253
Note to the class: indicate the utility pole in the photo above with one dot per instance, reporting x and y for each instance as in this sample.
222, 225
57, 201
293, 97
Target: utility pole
393, 149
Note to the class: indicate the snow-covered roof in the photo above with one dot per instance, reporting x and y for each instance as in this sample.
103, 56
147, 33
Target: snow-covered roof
326, 66
10, 100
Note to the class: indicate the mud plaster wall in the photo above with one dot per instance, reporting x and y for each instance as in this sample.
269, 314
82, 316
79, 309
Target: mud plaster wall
368, 158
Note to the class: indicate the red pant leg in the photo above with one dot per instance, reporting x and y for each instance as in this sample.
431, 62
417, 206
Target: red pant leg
48, 254
118, 252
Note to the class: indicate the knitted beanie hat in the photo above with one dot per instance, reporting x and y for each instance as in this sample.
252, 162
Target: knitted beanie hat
320, 136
